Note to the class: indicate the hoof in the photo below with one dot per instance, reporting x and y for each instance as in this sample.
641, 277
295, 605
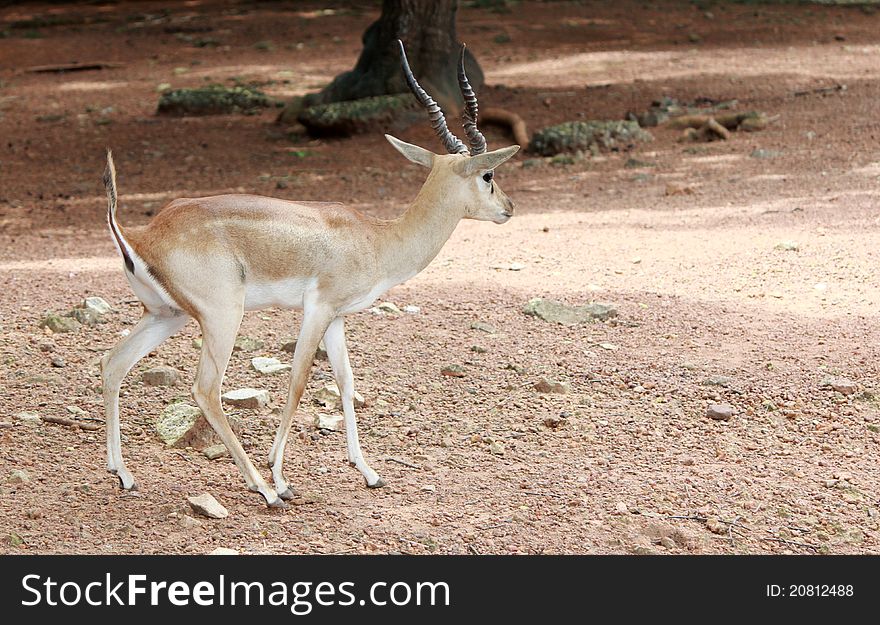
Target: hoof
288, 494
132, 486
279, 504
379, 484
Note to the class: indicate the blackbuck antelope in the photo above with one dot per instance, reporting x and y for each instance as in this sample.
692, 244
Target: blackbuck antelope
212, 258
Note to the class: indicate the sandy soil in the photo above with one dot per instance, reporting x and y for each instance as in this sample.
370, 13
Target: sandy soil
627, 461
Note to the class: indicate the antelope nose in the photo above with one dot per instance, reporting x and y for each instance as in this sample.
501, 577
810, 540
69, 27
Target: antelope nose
510, 205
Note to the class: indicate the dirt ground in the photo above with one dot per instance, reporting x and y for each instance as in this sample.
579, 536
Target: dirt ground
710, 310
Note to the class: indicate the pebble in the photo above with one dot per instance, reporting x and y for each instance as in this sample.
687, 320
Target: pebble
453, 371
843, 386
389, 307
59, 324
252, 398
289, 346
215, 451
483, 327
332, 423
163, 375
329, 397
206, 505
19, 476
621, 508
223, 551
58, 362
563, 314
247, 344
412, 310
552, 386
29, 418
720, 412
189, 522
268, 366
496, 448
788, 246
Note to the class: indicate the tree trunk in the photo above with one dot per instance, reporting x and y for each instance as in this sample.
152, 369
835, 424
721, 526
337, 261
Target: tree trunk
427, 29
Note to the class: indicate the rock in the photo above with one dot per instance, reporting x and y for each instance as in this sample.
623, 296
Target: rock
720, 412
212, 100
223, 551
77, 411
761, 153
483, 327
215, 451
188, 522
28, 418
58, 362
587, 136
563, 314
162, 375
351, 117
719, 380
551, 386
478, 350
788, 246
19, 476
714, 525
389, 307
411, 310
86, 316
328, 422
252, 398
679, 188
621, 508
453, 371
843, 386
59, 324
182, 425
329, 397
668, 543
711, 130
96, 304
289, 346
247, 344
268, 366
496, 448
206, 505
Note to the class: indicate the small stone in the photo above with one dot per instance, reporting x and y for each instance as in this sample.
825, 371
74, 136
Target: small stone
621, 508
77, 411
96, 304
478, 350
86, 316
720, 412
389, 307
206, 505
19, 476
252, 398
188, 522
163, 375
58, 362
215, 451
289, 346
247, 344
788, 246
28, 418
453, 371
411, 310
516, 267
714, 525
182, 425
59, 324
679, 188
329, 397
268, 366
761, 153
332, 423
719, 380
552, 386
843, 386
496, 448
611, 347
566, 315
197, 342
223, 551
668, 543
482, 327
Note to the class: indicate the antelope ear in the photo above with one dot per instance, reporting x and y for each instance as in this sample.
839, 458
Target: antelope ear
419, 156
485, 162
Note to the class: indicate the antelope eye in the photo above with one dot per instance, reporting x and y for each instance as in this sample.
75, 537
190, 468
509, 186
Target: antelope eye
488, 176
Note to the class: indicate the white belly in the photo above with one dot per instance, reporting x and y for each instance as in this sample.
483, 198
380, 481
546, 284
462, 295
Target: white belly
283, 293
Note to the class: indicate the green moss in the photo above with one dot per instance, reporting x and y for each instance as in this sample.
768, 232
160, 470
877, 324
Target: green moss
356, 116
212, 100
587, 136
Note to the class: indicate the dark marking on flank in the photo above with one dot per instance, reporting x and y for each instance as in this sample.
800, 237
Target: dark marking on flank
240, 268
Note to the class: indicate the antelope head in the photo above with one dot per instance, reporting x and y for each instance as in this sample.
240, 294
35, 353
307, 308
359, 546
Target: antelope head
466, 175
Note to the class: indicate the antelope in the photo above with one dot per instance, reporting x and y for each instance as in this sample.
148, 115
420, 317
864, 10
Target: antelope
213, 258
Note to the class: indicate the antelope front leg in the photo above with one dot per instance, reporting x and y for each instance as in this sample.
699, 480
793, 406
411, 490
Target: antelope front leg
218, 336
315, 320
337, 352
